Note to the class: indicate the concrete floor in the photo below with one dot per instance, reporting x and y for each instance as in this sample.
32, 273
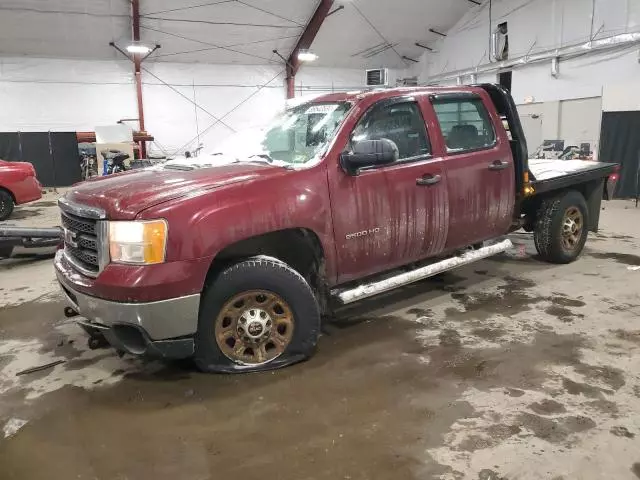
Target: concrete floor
508, 369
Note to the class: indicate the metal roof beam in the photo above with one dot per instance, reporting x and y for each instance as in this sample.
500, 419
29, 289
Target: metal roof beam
306, 39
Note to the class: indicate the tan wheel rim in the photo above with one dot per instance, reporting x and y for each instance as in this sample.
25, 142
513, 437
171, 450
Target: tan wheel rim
572, 225
254, 327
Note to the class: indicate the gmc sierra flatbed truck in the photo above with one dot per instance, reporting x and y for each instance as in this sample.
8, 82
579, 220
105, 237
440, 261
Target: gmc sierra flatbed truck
234, 259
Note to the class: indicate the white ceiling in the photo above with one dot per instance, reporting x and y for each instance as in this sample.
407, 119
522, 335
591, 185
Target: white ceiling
226, 31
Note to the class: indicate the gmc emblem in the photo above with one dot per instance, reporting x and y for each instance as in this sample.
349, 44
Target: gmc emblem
70, 238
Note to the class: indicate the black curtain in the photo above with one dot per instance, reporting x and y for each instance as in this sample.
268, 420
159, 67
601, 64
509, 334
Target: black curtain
10, 146
620, 143
35, 150
66, 159
54, 155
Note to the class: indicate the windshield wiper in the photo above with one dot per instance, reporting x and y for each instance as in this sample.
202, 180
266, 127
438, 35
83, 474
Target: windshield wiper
264, 156
184, 168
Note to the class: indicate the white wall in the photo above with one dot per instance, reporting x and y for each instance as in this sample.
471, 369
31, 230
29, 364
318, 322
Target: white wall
575, 121
621, 97
580, 121
42, 94
536, 25
76, 95
231, 93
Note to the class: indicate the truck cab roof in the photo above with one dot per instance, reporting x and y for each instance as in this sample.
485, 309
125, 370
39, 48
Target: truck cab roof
380, 94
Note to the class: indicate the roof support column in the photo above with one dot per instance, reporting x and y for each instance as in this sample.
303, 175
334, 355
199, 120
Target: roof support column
304, 42
137, 61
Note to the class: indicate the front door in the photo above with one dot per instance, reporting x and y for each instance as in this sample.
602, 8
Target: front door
391, 215
480, 170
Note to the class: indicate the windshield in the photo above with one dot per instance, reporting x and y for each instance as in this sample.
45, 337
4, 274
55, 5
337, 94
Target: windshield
295, 137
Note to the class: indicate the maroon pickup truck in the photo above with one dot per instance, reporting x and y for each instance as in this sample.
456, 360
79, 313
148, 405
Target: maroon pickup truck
234, 259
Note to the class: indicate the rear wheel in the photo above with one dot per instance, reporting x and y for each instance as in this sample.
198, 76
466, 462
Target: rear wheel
258, 314
561, 227
6, 204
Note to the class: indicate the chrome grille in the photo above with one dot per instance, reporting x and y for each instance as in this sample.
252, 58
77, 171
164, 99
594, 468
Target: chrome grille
88, 241
78, 224
81, 242
88, 258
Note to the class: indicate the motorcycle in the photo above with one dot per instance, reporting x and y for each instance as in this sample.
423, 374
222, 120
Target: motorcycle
114, 161
88, 165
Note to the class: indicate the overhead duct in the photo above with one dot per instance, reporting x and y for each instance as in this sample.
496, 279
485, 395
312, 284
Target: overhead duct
494, 46
594, 46
555, 67
499, 43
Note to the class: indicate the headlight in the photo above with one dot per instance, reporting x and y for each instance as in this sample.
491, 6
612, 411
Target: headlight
138, 242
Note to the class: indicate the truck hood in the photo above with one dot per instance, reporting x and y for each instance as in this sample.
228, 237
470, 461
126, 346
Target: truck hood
125, 195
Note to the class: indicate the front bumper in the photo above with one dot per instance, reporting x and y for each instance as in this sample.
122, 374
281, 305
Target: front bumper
161, 328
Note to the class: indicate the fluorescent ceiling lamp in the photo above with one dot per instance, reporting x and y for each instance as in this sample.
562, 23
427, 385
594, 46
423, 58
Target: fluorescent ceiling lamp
138, 48
306, 56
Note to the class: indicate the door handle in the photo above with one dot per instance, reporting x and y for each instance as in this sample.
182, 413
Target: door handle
498, 165
428, 180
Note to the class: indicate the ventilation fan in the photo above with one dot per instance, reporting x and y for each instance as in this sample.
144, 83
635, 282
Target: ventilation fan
377, 77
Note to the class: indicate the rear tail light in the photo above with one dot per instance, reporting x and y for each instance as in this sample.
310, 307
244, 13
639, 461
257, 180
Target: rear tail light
616, 172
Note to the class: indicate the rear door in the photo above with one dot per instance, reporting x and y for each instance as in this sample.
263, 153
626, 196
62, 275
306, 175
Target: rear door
479, 166
395, 214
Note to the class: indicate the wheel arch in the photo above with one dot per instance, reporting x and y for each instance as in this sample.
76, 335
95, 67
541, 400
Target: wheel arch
300, 248
592, 191
11, 194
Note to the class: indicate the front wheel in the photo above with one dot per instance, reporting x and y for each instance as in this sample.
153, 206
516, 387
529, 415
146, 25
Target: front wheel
561, 227
258, 314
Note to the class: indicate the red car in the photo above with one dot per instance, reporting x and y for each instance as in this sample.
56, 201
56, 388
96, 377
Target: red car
18, 184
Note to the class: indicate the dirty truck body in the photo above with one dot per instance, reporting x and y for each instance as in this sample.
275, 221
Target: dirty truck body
234, 262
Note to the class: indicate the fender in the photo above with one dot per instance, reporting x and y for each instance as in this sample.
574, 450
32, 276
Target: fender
202, 225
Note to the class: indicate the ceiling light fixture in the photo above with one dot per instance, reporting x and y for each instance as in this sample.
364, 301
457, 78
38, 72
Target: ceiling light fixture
136, 47
306, 56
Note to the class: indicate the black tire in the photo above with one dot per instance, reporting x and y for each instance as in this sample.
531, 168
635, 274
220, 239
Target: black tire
6, 251
257, 273
6, 204
548, 232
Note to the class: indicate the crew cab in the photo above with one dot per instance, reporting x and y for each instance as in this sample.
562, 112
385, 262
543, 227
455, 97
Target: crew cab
235, 258
18, 185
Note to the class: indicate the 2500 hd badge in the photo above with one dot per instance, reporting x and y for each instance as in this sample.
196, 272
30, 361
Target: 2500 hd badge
363, 233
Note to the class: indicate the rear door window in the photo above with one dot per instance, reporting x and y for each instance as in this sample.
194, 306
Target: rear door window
465, 123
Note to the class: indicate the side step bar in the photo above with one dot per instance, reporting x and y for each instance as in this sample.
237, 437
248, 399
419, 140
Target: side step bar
374, 288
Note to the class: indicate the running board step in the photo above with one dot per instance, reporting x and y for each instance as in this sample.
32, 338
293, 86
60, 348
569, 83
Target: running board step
374, 288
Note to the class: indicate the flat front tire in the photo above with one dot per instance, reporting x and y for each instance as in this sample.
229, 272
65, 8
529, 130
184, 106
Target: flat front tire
561, 227
258, 314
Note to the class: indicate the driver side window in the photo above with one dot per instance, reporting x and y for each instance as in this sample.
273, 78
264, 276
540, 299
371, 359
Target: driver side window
402, 123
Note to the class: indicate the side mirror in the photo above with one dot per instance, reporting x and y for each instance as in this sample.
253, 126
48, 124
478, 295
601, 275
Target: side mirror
369, 153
